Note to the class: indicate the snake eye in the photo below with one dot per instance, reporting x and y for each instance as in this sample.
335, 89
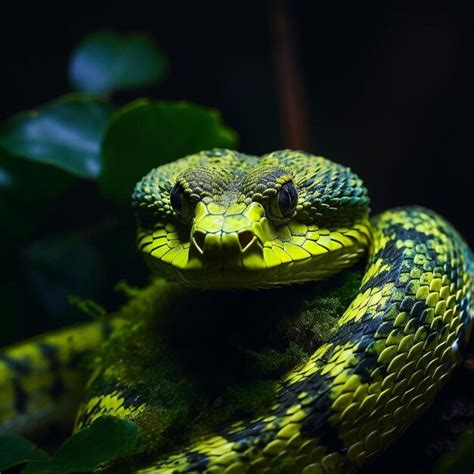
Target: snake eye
180, 202
285, 201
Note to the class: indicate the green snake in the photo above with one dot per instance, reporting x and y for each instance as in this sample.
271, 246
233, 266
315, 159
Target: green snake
225, 220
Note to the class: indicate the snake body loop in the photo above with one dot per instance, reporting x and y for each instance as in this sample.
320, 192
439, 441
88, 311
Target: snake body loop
221, 219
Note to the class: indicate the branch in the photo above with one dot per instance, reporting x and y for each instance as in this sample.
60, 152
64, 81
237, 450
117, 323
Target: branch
289, 79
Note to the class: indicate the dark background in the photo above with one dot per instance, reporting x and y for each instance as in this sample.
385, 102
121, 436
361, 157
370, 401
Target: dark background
385, 85
380, 87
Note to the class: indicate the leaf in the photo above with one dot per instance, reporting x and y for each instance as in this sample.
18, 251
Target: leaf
144, 135
59, 266
461, 460
106, 61
26, 189
106, 439
66, 133
15, 450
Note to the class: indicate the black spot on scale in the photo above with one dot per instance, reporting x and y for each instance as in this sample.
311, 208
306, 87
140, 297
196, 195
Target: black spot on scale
197, 461
384, 329
413, 234
84, 418
317, 424
95, 408
253, 434
389, 253
407, 304
417, 309
21, 397
351, 331
50, 353
19, 367
362, 331
381, 279
366, 367
375, 325
131, 398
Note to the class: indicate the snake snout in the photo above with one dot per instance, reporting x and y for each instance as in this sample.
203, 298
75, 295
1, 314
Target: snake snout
227, 234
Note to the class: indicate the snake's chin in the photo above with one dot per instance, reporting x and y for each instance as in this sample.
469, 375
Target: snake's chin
222, 276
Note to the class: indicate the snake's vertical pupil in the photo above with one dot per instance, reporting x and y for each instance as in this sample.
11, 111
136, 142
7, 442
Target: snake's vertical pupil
287, 199
176, 199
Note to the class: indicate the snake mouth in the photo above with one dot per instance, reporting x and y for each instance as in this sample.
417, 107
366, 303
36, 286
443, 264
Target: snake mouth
245, 238
225, 244
243, 249
220, 256
242, 260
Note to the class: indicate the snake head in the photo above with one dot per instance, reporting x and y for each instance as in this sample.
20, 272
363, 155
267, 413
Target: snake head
222, 219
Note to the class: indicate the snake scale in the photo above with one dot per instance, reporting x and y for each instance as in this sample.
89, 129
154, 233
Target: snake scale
222, 219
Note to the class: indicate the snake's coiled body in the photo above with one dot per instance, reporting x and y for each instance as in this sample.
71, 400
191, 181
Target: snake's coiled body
393, 348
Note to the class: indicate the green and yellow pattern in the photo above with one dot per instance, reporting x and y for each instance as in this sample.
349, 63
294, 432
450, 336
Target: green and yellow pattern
221, 219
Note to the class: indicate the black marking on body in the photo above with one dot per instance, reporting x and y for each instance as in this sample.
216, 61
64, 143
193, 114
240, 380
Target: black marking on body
317, 424
21, 397
197, 461
50, 352
20, 367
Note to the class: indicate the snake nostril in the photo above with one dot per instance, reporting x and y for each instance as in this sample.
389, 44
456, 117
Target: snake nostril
246, 238
199, 238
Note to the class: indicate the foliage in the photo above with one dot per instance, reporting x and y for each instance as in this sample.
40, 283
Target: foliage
67, 169
66, 133
15, 450
103, 441
461, 460
105, 62
144, 134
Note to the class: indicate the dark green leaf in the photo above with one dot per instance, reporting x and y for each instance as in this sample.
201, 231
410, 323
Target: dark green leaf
26, 189
106, 61
59, 266
461, 460
144, 135
105, 440
66, 133
15, 450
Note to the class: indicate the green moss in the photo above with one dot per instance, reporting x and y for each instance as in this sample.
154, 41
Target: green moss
201, 358
286, 466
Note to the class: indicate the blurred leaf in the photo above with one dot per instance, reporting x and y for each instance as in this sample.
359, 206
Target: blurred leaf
26, 188
144, 135
65, 133
15, 450
461, 460
59, 266
106, 439
106, 61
